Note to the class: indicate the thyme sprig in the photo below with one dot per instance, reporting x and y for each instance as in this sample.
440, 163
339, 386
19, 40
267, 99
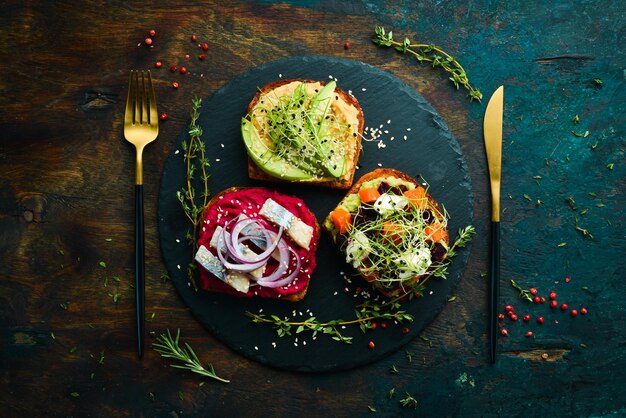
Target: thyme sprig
193, 204
363, 318
170, 348
432, 54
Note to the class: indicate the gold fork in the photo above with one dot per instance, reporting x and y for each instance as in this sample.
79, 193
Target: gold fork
141, 126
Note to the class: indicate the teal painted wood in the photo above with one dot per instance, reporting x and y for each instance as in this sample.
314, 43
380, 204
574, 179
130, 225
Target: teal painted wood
563, 66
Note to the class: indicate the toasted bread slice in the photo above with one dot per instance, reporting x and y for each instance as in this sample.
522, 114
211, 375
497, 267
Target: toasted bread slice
344, 107
435, 239
227, 205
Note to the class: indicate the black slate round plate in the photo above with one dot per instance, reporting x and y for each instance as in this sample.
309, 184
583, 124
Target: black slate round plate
416, 140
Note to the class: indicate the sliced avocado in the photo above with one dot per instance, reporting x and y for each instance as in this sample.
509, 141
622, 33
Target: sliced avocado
266, 159
320, 107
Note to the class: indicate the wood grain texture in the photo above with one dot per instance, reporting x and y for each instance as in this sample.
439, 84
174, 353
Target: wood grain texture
66, 205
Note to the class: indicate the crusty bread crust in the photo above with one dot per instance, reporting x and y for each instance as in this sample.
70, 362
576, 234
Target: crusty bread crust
294, 297
381, 173
256, 173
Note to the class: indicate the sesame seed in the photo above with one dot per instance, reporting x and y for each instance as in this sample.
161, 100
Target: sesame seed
222, 145
217, 160
280, 76
176, 152
380, 165
256, 348
389, 121
408, 129
178, 266
363, 89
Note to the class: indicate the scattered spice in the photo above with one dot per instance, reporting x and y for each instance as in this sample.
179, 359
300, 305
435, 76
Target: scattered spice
152, 33
545, 356
205, 46
573, 313
175, 84
183, 70
158, 64
346, 45
371, 344
148, 41
163, 116
193, 38
174, 68
540, 320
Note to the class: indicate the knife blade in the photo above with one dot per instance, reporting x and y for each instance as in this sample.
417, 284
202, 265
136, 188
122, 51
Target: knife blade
492, 131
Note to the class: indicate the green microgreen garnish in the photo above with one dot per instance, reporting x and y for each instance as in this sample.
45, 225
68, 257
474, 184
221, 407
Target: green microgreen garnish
303, 130
395, 247
432, 54
193, 204
169, 347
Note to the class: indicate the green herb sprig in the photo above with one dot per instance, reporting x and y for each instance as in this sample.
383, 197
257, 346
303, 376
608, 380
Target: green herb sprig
193, 204
432, 54
363, 318
523, 293
169, 347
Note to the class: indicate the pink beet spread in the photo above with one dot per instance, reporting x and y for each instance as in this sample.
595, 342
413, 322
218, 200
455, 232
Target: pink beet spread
249, 201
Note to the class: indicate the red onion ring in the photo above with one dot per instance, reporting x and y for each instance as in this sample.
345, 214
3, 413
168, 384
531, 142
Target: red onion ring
245, 263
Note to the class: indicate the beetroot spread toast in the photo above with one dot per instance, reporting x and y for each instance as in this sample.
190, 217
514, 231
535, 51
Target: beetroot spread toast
303, 131
391, 230
257, 242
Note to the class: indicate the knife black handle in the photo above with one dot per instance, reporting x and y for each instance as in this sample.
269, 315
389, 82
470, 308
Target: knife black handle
139, 268
494, 293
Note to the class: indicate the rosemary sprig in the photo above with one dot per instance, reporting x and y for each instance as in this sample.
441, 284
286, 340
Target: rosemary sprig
193, 204
169, 347
432, 54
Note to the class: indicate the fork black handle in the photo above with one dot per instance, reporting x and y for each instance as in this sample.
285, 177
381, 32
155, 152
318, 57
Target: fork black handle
494, 274
140, 273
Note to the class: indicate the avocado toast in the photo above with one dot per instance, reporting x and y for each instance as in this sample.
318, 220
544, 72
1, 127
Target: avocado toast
391, 230
303, 131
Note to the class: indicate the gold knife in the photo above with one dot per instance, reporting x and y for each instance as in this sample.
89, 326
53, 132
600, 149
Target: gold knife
492, 127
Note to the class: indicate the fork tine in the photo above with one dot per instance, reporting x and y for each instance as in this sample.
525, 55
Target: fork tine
130, 100
142, 101
153, 115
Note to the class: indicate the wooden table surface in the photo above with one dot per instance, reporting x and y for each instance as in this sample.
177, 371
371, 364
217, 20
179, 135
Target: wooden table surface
67, 342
